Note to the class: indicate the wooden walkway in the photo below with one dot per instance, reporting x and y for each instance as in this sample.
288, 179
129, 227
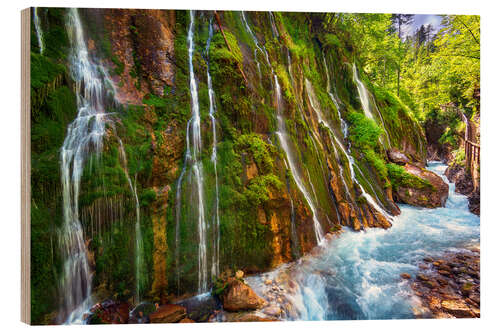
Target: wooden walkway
472, 153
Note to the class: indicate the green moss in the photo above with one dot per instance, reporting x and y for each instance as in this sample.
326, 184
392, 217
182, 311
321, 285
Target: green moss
363, 132
147, 197
400, 178
262, 152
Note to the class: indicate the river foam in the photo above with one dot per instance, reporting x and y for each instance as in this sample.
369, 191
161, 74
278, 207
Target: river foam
357, 275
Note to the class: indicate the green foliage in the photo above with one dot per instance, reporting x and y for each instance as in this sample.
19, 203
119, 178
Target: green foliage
363, 132
147, 197
332, 40
261, 151
257, 191
377, 162
43, 71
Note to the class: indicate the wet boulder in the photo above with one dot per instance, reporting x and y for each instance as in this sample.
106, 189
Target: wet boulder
109, 312
199, 308
398, 157
238, 296
420, 187
168, 313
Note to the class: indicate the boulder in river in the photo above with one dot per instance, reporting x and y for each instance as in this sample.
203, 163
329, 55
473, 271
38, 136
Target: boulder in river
168, 313
424, 189
238, 296
109, 312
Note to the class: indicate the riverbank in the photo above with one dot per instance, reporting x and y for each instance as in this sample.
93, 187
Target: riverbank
449, 285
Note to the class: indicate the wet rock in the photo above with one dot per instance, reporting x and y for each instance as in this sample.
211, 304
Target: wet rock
398, 157
238, 296
447, 288
140, 314
273, 310
199, 308
431, 195
168, 313
457, 308
246, 317
422, 277
186, 320
405, 276
109, 312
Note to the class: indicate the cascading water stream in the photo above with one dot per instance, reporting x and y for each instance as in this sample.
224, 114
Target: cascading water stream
364, 96
315, 105
357, 275
193, 163
273, 25
38, 29
84, 136
284, 141
334, 98
139, 246
211, 113
283, 138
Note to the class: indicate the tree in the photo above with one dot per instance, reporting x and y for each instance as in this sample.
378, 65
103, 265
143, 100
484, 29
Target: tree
401, 21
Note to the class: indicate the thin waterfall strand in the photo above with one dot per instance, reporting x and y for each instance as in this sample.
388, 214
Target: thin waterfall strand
212, 111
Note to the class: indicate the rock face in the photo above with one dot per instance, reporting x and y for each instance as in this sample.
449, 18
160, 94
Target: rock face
239, 297
430, 196
168, 313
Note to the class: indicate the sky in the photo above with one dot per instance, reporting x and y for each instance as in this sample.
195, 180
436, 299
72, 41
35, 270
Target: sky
424, 19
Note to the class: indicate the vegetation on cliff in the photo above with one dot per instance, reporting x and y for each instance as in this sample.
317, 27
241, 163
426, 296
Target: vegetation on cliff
276, 77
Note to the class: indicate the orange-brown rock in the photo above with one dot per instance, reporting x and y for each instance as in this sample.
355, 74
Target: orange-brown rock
168, 313
238, 296
186, 321
152, 53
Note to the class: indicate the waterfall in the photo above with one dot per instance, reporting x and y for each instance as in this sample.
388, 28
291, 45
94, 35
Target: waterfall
139, 247
212, 110
335, 100
84, 136
194, 163
38, 29
273, 25
363, 93
466, 121
284, 141
364, 96
283, 137
350, 159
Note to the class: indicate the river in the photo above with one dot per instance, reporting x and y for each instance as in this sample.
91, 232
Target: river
357, 275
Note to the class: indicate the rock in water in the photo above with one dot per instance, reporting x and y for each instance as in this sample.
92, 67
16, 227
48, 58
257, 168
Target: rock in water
239, 297
431, 194
109, 312
456, 308
168, 313
239, 274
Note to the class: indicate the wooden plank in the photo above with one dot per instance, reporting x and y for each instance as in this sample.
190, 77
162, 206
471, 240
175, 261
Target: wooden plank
25, 166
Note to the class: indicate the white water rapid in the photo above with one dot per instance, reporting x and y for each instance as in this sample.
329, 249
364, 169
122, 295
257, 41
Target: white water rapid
357, 275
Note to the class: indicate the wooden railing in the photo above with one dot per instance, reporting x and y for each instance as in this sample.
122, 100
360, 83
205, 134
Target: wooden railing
472, 153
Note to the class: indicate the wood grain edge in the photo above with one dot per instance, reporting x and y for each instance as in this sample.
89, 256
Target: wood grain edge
25, 167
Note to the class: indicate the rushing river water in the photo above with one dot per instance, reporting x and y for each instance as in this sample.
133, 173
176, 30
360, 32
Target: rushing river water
357, 275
